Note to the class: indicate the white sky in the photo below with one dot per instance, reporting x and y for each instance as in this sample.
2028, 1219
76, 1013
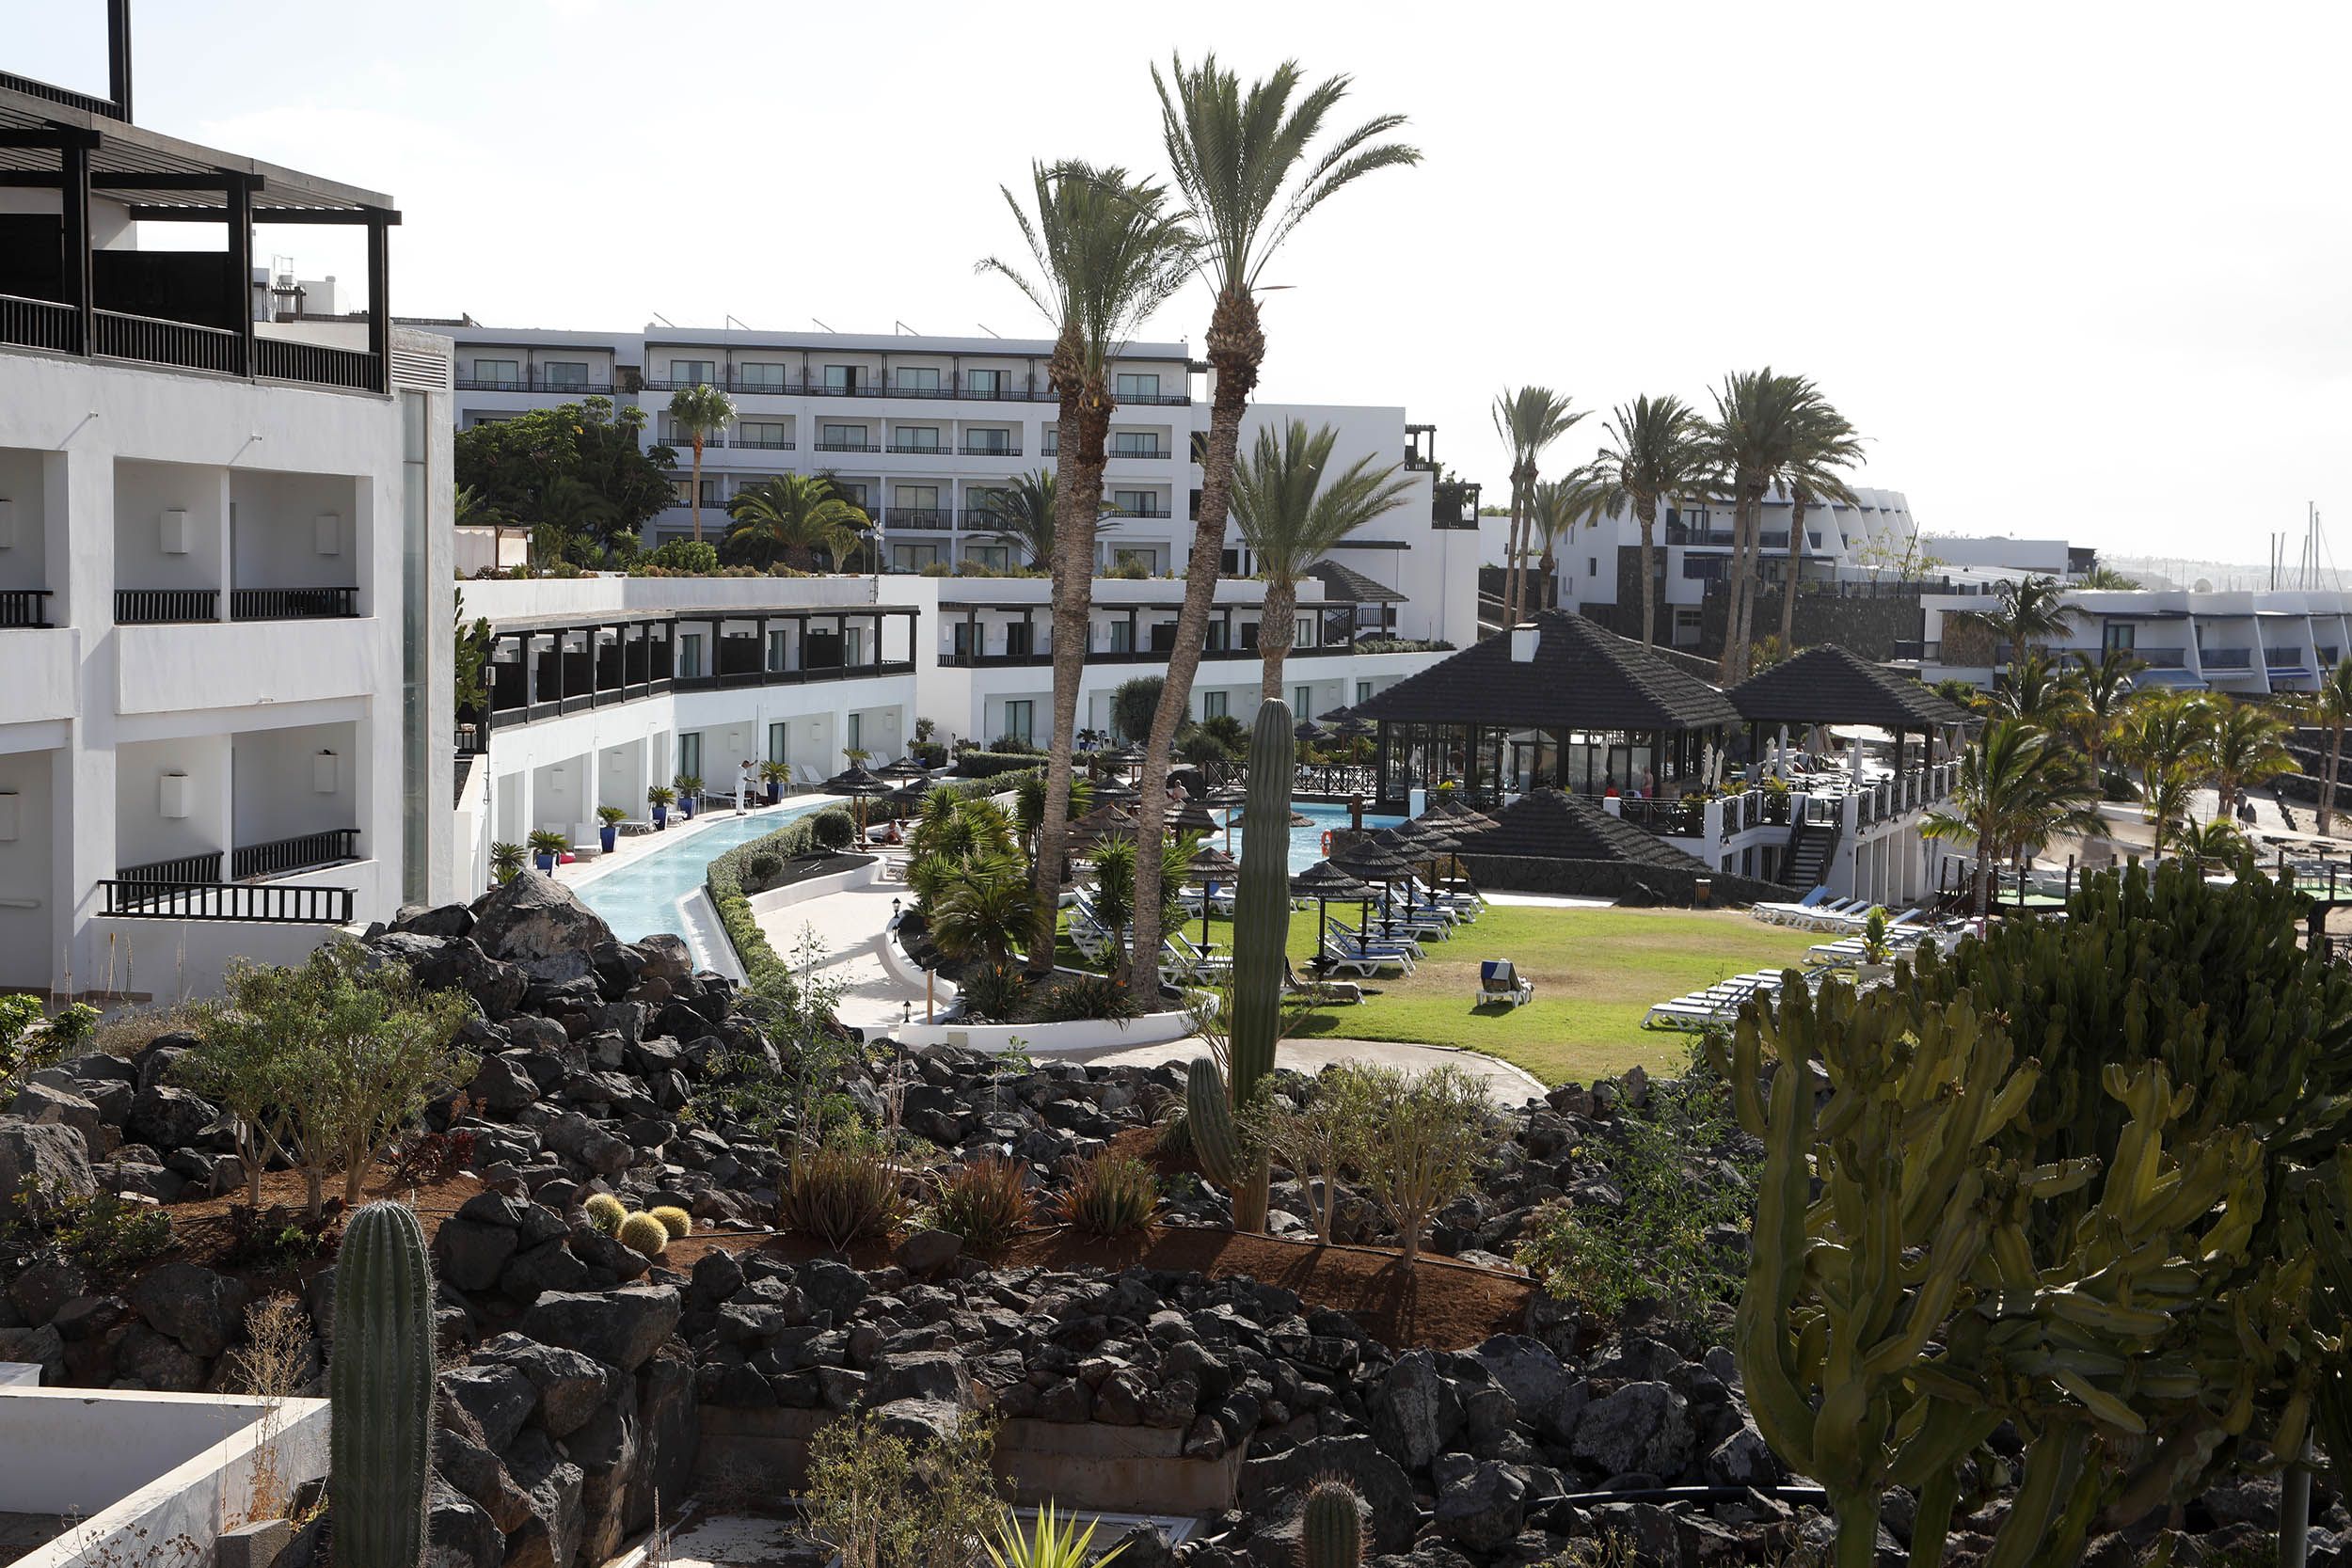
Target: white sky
2076, 270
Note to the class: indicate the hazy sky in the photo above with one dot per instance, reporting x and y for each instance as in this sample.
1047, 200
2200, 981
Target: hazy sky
2076, 270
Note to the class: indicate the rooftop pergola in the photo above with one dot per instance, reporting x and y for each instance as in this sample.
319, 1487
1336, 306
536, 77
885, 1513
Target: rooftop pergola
1558, 701
1830, 685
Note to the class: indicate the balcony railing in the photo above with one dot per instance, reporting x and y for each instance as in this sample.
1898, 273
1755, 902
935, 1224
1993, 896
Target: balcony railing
201, 867
24, 606
285, 359
919, 516
158, 341
2226, 658
38, 323
918, 449
983, 449
761, 443
847, 446
291, 604
150, 607
301, 853
1146, 513
533, 384
270, 903
1147, 454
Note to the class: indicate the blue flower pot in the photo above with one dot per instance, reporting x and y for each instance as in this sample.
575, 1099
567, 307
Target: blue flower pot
610, 837
686, 808
545, 863
775, 792
661, 818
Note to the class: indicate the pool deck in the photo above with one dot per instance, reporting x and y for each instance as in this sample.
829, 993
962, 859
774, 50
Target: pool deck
695, 844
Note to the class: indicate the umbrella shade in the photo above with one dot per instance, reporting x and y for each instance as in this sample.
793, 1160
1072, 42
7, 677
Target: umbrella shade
1465, 817
1107, 791
905, 768
1100, 823
1325, 879
1192, 817
857, 780
1228, 794
910, 794
1306, 730
1210, 864
1353, 728
1373, 864
1130, 755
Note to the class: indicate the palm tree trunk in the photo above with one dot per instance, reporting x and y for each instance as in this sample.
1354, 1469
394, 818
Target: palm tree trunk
695, 501
1237, 346
1278, 627
2328, 792
1735, 655
1510, 560
1646, 510
1084, 425
1796, 566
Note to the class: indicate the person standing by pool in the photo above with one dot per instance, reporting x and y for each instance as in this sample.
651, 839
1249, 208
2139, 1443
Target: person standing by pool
742, 785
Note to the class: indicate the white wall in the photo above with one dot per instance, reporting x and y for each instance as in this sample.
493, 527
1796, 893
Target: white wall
143, 492
276, 532
24, 559
27, 866
275, 775
143, 834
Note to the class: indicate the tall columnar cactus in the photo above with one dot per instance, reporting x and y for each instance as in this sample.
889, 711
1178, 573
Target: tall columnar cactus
1262, 927
380, 1381
1331, 1527
1209, 1122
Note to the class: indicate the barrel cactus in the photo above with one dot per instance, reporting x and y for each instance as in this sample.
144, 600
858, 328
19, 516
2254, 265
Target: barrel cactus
1331, 1527
677, 1221
643, 1233
380, 1385
605, 1212
1209, 1122
1261, 925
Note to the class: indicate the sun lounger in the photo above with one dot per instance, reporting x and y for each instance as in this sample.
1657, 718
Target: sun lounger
1774, 911
1338, 955
1498, 981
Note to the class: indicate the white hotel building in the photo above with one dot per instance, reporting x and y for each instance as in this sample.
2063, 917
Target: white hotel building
225, 581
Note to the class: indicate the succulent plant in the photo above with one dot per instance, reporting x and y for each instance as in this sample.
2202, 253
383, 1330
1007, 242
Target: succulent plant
641, 1232
1331, 1525
380, 1384
677, 1221
605, 1212
1209, 1122
1262, 923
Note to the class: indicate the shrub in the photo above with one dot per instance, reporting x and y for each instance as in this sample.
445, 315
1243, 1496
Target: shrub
644, 1234
835, 829
986, 1202
423, 1157
997, 990
1128, 571
1083, 998
1134, 703
1323, 1138
990, 764
882, 1502
841, 1191
1012, 745
1110, 1195
26, 1046
605, 1212
677, 1221
685, 555
761, 872
1422, 1139
105, 1233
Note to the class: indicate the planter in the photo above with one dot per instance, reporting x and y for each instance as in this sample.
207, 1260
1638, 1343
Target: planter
545, 863
1864, 974
608, 837
686, 808
660, 818
775, 792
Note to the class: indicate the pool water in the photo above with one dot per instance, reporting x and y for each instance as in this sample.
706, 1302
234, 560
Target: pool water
1306, 842
640, 898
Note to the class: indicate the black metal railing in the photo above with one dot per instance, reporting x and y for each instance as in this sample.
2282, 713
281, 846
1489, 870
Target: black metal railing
291, 604
39, 324
760, 443
24, 606
2226, 658
148, 607
299, 853
268, 903
119, 335
919, 516
283, 360
1149, 454
1146, 513
982, 449
203, 867
533, 384
917, 449
847, 446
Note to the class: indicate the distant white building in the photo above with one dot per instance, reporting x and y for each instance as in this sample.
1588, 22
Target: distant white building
1998, 556
2244, 644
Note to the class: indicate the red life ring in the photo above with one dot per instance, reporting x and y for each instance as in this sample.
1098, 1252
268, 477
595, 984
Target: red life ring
1327, 843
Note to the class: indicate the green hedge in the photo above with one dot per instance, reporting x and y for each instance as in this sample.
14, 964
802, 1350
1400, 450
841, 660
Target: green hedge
724, 876
988, 764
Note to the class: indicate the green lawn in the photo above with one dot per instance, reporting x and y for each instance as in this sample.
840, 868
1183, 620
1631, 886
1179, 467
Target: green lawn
1596, 974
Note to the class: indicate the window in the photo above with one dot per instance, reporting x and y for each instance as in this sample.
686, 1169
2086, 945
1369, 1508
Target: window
841, 437
760, 376
498, 372
1138, 383
682, 492
689, 754
1303, 703
853, 494
1686, 627
1122, 637
1053, 441
1019, 719
913, 558
853, 652
1363, 692
563, 373
1139, 503
1200, 445
1148, 560
984, 384
1213, 704
779, 650
691, 373
916, 438
2117, 635
917, 378
1702, 568
1135, 443
690, 655
996, 557
843, 378
915, 497
960, 639
1592, 566
987, 440
1212, 640
856, 730
768, 434
777, 742
1249, 634
985, 502
1228, 565
1303, 632
1018, 639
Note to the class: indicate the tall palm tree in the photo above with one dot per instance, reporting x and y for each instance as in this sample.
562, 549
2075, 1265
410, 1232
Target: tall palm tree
2331, 711
983, 907
576, 509
2166, 794
1293, 513
1576, 499
1252, 165
2247, 747
1658, 452
2016, 786
2032, 610
1529, 418
2102, 693
2037, 691
1824, 442
1753, 433
699, 413
793, 519
1103, 255
1023, 514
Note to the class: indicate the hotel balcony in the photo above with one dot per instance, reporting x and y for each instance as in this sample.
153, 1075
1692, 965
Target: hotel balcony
564, 386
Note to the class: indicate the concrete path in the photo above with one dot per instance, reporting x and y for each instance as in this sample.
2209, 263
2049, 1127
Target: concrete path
1548, 901
849, 926
1507, 1086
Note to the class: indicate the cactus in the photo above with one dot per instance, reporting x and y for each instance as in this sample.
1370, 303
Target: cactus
641, 1232
677, 1222
380, 1383
1331, 1527
606, 1213
1209, 1122
1261, 925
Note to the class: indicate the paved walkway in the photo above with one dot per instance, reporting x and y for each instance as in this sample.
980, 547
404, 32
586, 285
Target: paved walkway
849, 930
1507, 1086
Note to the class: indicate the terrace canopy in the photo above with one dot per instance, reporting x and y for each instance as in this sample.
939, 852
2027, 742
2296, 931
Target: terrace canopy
1552, 824
1830, 685
1558, 701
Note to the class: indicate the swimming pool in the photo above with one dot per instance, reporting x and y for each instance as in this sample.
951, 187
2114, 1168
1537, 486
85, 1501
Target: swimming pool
1306, 842
640, 898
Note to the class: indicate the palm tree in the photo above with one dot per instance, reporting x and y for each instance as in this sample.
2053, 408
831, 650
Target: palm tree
1658, 452
1754, 431
1106, 255
795, 518
2102, 693
2035, 690
2033, 610
2167, 793
1023, 514
983, 908
1576, 499
2331, 709
2247, 747
1824, 443
1292, 515
2015, 788
698, 413
1529, 418
1251, 169
574, 508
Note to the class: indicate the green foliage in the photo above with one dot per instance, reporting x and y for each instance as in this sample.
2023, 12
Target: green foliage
546, 841
991, 765
1262, 923
690, 557
1084, 997
1321, 1139
644, 1234
882, 1502
380, 1388
511, 465
1209, 1123
25, 1045
507, 861
796, 1093
1054, 1541
1135, 702
1110, 1195
760, 874
986, 1201
605, 1212
660, 794
796, 519
996, 990
612, 816
471, 644
677, 1221
842, 1189
1331, 1527
834, 829
1423, 1136
1874, 947
107, 1234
